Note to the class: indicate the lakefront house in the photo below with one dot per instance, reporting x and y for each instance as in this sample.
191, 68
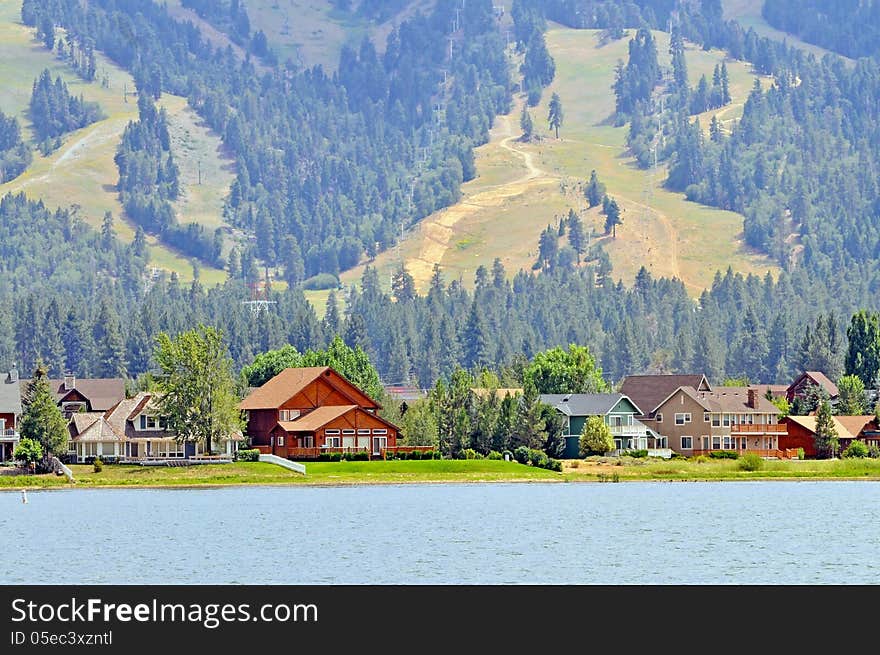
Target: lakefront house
10, 412
693, 418
617, 411
134, 430
304, 412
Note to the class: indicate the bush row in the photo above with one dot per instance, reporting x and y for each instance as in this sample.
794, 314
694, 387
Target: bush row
248, 455
414, 454
538, 458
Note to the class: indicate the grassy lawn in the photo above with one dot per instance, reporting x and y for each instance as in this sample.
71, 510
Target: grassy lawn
318, 473
596, 469
686, 469
520, 188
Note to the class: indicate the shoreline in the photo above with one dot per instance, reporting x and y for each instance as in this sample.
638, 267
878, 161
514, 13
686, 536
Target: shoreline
397, 483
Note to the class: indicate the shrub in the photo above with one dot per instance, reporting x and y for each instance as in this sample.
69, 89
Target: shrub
538, 458
360, 456
470, 453
554, 464
723, 454
874, 451
800, 453
98, 465
494, 454
248, 455
636, 453
521, 454
575, 464
701, 459
321, 281
750, 462
856, 449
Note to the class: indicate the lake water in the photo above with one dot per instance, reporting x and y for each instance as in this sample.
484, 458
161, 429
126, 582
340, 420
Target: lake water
628, 533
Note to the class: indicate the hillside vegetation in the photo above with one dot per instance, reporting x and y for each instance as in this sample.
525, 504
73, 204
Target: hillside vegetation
82, 173
522, 187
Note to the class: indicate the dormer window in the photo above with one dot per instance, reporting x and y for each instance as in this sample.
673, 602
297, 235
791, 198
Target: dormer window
151, 422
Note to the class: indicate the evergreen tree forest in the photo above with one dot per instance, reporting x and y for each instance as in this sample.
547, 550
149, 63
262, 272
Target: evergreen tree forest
53, 111
15, 156
338, 162
856, 31
329, 166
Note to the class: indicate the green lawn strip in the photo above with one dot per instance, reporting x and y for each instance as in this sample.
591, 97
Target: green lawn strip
317, 473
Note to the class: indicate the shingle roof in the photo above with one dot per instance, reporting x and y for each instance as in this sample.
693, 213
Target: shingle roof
736, 400
290, 382
83, 420
855, 424
809, 422
582, 404
648, 391
102, 393
316, 418
776, 390
10, 396
819, 378
99, 430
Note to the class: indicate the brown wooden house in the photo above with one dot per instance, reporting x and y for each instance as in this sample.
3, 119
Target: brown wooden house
802, 432
303, 412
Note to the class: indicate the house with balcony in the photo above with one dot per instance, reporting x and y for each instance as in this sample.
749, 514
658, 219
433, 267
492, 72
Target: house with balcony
10, 413
695, 418
302, 413
617, 410
134, 430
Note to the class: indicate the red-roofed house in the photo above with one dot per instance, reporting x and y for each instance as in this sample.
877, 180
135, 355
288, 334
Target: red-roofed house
302, 412
800, 387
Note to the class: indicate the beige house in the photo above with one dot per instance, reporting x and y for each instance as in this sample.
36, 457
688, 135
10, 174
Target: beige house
131, 430
694, 419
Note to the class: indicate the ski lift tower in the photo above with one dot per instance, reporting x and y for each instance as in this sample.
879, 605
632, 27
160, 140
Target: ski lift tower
259, 301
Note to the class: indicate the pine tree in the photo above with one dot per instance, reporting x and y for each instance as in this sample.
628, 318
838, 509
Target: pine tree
612, 216
725, 85
826, 439
41, 419
525, 124
529, 429
107, 234
331, 315
576, 236
474, 340
595, 190
110, 346
554, 115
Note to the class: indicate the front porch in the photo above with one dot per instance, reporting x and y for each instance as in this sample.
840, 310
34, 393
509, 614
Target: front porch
8, 441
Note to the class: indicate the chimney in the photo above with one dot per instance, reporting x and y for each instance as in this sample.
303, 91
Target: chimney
13, 374
753, 398
69, 381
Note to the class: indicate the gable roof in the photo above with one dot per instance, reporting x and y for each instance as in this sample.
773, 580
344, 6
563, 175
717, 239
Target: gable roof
809, 422
321, 416
81, 421
776, 390
102, 393
819, 378
10, 395
291, 381
585, 404
650, 391
736, 400
856, 424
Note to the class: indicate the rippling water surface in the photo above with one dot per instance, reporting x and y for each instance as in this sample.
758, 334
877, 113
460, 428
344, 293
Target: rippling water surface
628, 533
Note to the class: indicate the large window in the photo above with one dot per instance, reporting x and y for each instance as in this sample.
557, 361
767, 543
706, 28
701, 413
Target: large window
716, 443
687, 443
682, 418
716, 420
331, 442
288, 414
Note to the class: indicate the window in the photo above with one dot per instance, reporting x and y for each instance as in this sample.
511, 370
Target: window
716, 443
382, 431
283, 415
331, 442
658, 417
725, 420
716, 420
149, 422
348, 431
71, 446
687, 443
682, 417
705, 417
280, 440
363, 431
331, 431
727, 442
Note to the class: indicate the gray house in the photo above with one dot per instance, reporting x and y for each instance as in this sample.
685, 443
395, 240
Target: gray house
10, 412
618, 411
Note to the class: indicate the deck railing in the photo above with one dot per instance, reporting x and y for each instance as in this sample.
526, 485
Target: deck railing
759, 428
777, 453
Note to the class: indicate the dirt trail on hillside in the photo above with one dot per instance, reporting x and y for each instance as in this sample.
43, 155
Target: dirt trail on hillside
435, 233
